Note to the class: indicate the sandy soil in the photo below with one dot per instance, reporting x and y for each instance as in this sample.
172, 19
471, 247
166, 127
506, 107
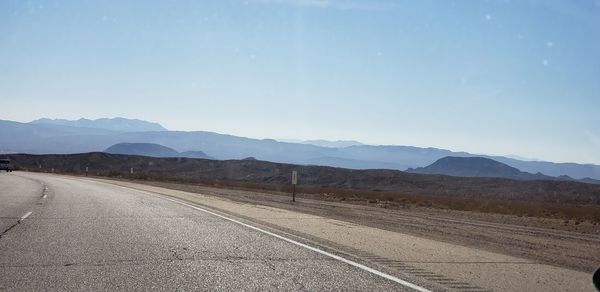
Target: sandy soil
543, 240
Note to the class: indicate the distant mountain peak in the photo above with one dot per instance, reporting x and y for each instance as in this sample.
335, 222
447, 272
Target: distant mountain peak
476, 167
117, 124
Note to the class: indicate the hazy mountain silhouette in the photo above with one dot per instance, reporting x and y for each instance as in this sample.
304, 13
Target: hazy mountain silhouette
144, 149
41, 138
113, 124
478, 167
332, 144
153, 150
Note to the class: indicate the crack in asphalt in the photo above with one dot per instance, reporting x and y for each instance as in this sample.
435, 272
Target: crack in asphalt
177, 255
44, 189
9, 228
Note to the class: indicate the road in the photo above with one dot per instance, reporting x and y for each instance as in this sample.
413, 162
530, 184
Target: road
67, 233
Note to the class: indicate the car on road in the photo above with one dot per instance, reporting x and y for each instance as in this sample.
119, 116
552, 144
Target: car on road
6, 165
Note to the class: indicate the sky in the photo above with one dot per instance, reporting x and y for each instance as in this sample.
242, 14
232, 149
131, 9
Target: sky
494, 77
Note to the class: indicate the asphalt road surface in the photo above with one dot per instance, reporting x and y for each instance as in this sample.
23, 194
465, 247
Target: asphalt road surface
63, 233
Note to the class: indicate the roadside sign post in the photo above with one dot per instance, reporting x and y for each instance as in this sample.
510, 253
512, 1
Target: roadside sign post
294, 183
86, 171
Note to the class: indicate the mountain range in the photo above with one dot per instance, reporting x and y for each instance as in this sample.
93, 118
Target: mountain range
114, 124
45, 136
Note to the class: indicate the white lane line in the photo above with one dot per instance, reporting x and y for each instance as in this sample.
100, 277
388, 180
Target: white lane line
347, 261
25, 216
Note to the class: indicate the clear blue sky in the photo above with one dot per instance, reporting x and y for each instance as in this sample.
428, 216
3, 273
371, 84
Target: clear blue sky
495, 77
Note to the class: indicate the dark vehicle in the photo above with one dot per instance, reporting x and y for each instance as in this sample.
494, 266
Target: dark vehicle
6, 165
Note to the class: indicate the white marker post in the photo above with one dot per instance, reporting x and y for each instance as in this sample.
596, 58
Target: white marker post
131, 171
294, 183
86, 171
